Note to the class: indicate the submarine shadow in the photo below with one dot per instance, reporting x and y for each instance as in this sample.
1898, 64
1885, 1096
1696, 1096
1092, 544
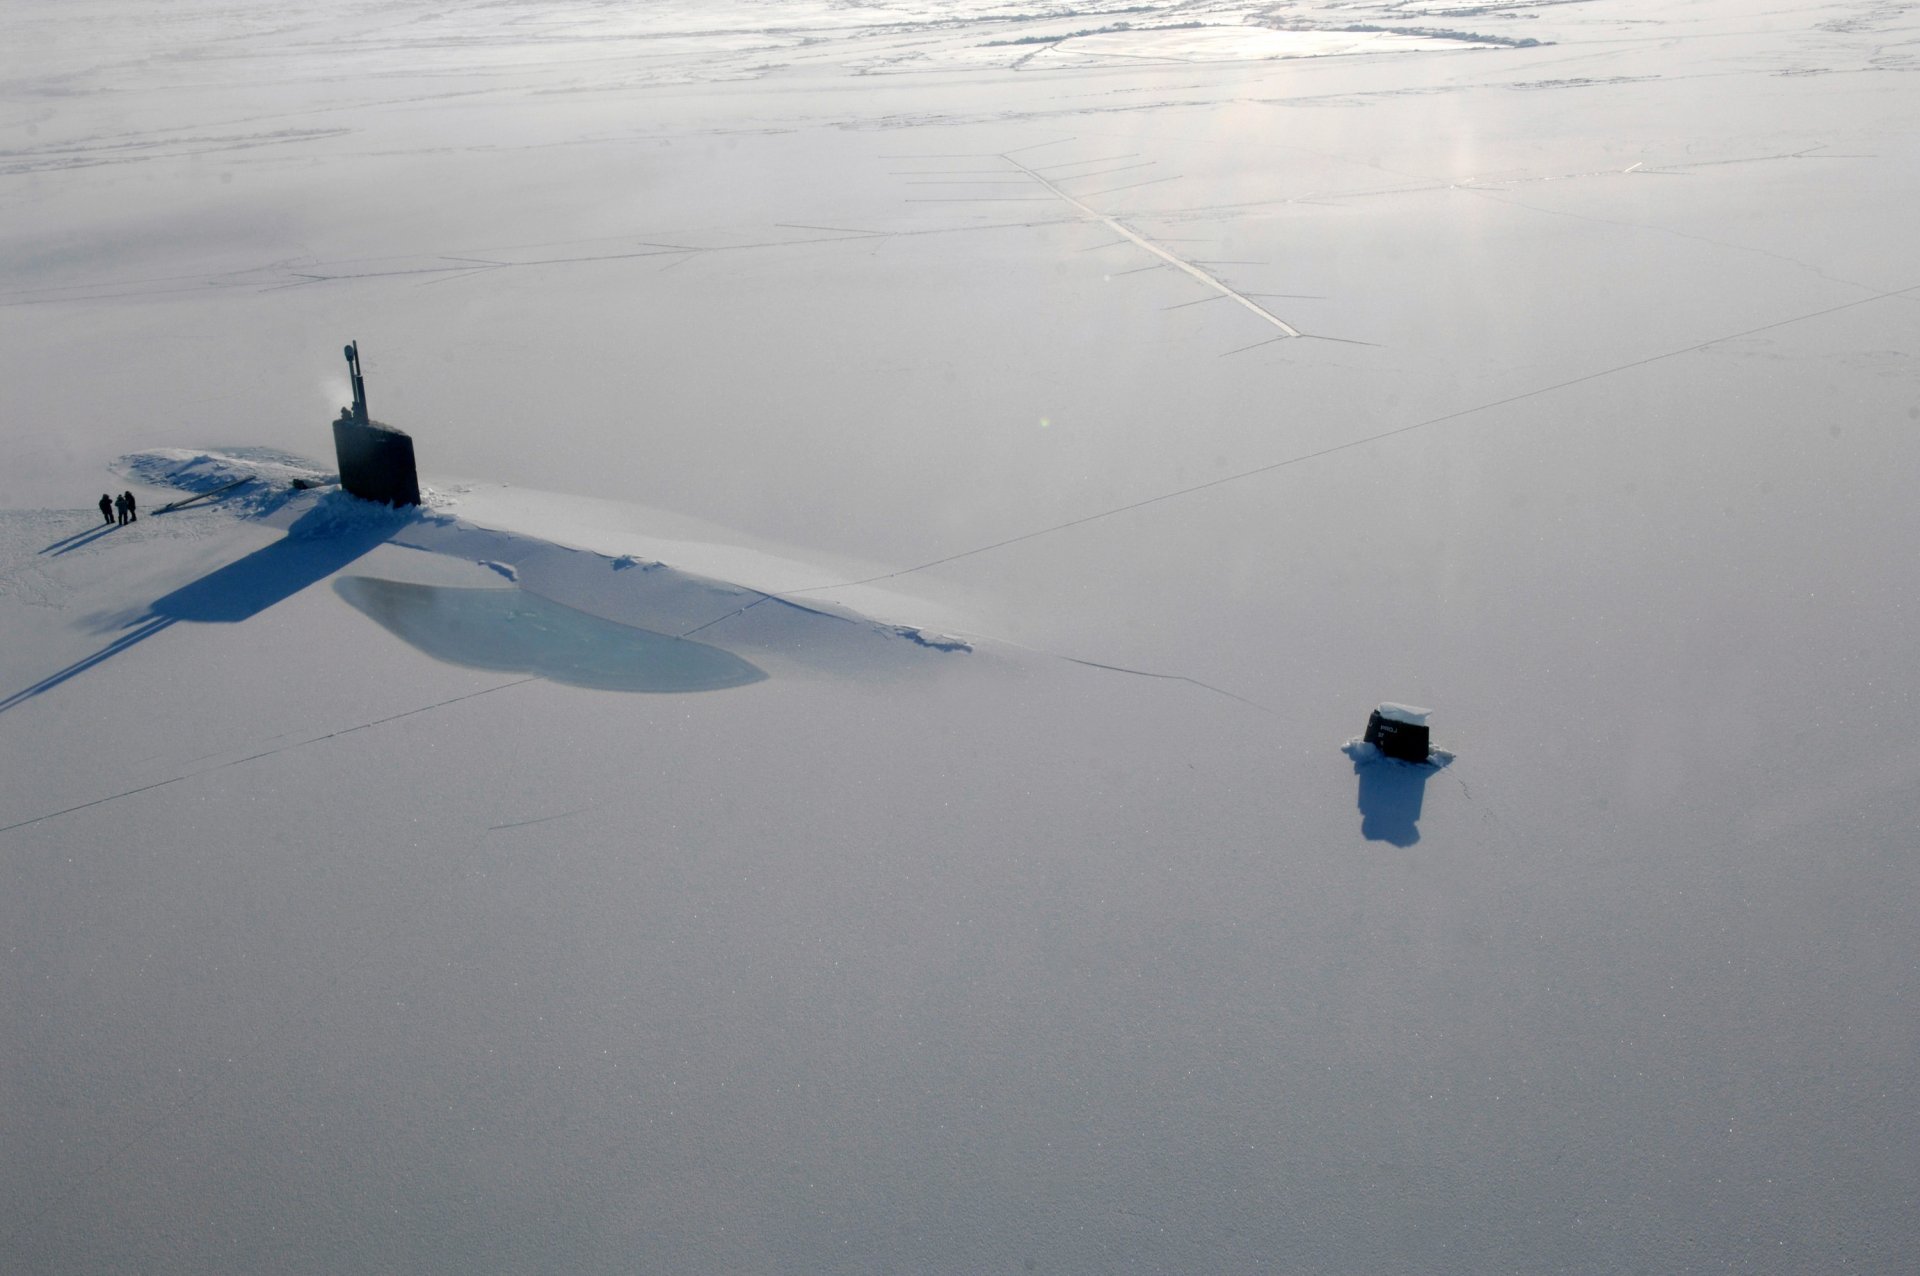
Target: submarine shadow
271, 574
314, 547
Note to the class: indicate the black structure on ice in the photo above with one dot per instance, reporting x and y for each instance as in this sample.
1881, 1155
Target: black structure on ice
376, 461
1399, 731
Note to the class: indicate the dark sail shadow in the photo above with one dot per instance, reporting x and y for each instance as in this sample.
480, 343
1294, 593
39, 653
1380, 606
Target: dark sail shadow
248, 586
141, 630
315, 547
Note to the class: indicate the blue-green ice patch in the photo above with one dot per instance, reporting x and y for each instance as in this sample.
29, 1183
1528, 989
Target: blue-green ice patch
517, 632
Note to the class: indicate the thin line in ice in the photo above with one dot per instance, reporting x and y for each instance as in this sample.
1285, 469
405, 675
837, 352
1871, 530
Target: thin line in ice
265, 753
1901, 294
1177, 262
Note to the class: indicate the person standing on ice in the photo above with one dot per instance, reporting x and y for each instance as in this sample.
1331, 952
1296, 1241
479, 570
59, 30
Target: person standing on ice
133, 511
106, 507
120, 508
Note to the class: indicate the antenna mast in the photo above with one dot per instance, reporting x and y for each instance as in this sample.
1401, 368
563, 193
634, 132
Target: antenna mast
359, 386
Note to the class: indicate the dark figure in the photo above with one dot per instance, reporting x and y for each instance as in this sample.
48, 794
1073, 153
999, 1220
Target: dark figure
106, 507
133, 511
120, 507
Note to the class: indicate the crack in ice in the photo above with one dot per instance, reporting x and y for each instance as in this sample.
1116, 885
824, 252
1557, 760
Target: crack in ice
1141, 241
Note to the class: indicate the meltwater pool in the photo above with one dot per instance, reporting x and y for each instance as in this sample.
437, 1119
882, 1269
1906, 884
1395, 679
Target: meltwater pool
513, 631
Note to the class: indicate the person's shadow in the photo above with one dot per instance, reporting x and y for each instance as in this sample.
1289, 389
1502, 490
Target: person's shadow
1391, 794
318, 544
79, 540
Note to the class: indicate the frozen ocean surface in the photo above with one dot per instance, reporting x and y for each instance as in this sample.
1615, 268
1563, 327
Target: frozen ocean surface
1083, 417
